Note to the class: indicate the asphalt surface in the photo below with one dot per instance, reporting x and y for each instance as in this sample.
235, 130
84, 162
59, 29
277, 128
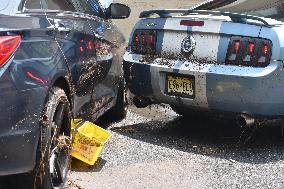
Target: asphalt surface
156, 148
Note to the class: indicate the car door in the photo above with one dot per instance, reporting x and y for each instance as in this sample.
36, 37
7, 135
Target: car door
76, 41
109, 66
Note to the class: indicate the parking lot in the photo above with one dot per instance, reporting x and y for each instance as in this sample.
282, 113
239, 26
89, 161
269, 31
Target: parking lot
155, 148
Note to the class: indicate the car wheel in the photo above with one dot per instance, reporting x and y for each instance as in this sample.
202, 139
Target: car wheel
119, 111
53, 159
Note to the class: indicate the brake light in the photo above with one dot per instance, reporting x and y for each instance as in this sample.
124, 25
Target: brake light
8, 45
249, 51
136, 40
91, 45
251, 48
237, 46
191, 23
144, 42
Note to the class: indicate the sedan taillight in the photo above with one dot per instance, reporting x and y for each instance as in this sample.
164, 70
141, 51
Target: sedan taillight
8, 45
144, 42
249, 51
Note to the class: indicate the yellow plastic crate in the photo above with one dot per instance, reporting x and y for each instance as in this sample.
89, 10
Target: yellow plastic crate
88, 142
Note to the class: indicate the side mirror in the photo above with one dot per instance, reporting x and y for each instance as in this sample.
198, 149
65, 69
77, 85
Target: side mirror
118, 11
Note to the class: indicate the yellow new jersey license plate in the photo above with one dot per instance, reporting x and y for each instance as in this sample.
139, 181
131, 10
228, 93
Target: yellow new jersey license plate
180, 86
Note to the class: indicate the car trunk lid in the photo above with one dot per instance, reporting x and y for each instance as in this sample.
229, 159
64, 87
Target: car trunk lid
203, 38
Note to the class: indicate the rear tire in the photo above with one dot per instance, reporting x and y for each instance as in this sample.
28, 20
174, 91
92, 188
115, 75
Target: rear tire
53, 159
119, 110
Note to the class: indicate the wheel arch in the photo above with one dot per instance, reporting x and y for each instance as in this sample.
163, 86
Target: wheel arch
64, 84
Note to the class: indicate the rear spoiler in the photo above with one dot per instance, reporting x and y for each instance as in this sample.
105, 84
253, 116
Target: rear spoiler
211, 4
235, 17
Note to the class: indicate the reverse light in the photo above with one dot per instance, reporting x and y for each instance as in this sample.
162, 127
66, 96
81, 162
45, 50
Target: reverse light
265, 49
265, 53
8, 45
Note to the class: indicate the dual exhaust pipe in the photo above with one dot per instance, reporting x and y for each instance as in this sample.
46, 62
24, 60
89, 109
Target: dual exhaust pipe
245, 121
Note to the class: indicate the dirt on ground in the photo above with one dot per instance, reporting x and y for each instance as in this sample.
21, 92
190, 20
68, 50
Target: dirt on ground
156, 148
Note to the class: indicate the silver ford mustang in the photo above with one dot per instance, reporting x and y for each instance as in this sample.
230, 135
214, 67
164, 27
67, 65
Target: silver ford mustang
219, 56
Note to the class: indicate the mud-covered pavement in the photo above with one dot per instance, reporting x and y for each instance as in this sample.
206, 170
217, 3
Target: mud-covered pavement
155, 148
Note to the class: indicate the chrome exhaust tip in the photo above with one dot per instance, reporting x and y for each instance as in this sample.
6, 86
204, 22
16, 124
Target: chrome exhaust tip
244, 120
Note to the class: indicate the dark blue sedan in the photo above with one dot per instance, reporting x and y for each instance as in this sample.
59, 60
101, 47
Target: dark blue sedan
58, 60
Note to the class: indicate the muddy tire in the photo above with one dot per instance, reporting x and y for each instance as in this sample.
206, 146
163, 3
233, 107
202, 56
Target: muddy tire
53, 159
119, 111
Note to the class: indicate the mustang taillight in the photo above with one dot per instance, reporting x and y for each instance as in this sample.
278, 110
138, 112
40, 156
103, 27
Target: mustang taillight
237, 45
249, 51
144, 42
8, 45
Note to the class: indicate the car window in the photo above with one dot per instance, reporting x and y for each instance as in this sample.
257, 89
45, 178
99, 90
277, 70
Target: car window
32, 4
95, 7
91, 7
64, 5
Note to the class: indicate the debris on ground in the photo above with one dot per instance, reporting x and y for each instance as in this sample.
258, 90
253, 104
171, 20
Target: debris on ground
73, 185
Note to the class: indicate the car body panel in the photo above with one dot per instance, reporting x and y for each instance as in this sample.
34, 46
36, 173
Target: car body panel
218, 87
49, 55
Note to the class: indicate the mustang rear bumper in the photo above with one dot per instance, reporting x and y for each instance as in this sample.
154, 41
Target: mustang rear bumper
234, 89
